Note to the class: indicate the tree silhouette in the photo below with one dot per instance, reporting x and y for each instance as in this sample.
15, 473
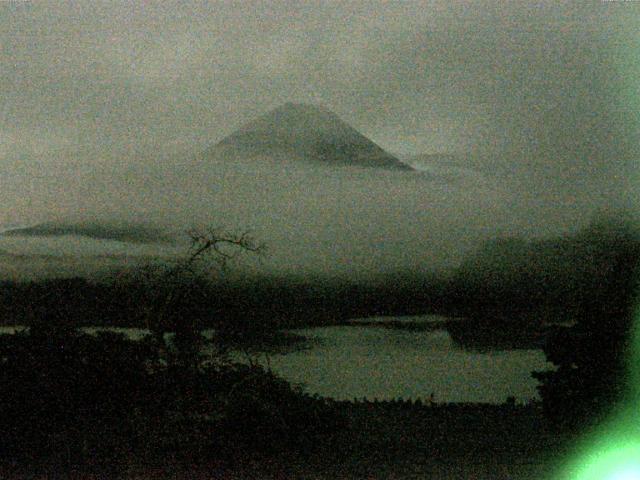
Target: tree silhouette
590, 356
175, 296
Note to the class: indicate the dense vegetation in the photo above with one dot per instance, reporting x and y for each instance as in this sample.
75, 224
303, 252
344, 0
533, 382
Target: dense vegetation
68, 398
514, 292
592, 356
276, 301
107, 407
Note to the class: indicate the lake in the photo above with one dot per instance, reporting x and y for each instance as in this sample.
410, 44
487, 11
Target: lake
369, 361
365, 359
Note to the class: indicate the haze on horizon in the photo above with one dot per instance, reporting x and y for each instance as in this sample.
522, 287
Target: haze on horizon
106, 106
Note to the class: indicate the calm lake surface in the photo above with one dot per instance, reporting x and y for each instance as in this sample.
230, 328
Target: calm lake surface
356, 361
375, 362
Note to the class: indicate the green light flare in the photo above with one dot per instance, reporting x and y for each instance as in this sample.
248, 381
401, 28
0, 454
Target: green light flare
612, 451
615, 459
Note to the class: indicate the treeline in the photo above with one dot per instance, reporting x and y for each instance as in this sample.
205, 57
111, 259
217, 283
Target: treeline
508, 291
84, 405
254, 303
512, 290
70, 401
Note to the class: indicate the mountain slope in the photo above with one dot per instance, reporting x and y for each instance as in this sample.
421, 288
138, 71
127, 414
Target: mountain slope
307, 132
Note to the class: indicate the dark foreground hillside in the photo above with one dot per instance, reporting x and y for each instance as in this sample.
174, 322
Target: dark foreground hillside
73, 405
440, 442
376, 442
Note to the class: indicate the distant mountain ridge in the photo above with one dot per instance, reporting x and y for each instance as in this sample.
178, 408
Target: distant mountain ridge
309, 132
122, 233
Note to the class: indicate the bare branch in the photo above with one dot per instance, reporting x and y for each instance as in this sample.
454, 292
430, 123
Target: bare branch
213, 242
166, 285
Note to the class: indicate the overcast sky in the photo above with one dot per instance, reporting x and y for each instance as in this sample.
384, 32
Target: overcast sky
543, 94
414, 76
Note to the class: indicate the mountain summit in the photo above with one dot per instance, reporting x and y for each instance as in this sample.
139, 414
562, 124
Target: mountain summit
309, 132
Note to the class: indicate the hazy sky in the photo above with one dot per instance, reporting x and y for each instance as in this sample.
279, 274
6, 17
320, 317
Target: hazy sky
542, 94
414, 76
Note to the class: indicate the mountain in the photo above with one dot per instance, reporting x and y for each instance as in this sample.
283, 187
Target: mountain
307, 132
122, 233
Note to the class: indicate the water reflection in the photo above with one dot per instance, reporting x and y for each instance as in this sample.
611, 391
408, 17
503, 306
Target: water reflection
383, 363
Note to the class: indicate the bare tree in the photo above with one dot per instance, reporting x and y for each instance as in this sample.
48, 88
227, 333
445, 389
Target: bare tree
167, 285
220, 245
